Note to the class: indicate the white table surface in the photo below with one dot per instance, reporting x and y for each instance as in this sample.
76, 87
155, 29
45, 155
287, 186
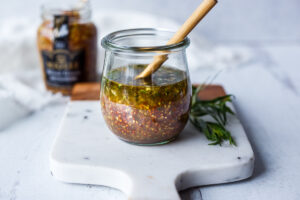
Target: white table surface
268, 103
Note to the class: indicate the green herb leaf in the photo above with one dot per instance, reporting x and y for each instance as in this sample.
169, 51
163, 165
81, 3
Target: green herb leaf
218, 110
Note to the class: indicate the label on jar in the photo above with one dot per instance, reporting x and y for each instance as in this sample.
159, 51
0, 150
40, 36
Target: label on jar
62, 66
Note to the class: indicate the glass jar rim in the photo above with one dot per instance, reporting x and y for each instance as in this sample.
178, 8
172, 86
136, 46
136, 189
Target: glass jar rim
108, 42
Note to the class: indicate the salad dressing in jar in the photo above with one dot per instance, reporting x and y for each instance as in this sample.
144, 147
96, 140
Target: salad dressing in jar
67, 44
146, 111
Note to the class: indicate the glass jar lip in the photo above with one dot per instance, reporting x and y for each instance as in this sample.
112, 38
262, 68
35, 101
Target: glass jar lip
108, 42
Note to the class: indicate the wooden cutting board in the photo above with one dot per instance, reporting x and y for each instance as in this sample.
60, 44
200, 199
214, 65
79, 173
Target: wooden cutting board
86, 152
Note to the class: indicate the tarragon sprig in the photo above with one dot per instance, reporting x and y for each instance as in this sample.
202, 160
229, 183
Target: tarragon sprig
217, 109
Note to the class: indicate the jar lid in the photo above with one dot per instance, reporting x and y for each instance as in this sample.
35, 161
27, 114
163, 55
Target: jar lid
80, 10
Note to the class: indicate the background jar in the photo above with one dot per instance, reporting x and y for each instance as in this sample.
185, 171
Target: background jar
67, 44
144, 111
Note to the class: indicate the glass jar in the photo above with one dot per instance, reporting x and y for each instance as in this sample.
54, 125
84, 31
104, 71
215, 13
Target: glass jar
67, 44
146, 111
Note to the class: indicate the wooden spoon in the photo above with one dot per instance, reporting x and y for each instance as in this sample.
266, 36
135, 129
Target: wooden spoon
184, 30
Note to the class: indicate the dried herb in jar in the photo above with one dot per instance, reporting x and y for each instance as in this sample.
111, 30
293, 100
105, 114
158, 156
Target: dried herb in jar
146, 111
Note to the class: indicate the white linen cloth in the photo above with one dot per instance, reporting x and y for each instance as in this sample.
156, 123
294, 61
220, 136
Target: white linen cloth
22, 94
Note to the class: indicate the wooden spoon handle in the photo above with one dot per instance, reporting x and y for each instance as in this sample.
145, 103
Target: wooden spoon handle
183, 31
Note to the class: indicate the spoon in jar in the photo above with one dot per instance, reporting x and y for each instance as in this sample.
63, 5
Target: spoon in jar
183, 31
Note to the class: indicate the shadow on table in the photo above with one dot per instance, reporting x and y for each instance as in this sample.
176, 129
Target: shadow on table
259, 165
191, 194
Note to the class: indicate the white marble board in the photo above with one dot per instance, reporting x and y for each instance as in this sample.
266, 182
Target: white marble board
86, 152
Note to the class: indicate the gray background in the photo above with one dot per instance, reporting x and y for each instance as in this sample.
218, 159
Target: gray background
249, 21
